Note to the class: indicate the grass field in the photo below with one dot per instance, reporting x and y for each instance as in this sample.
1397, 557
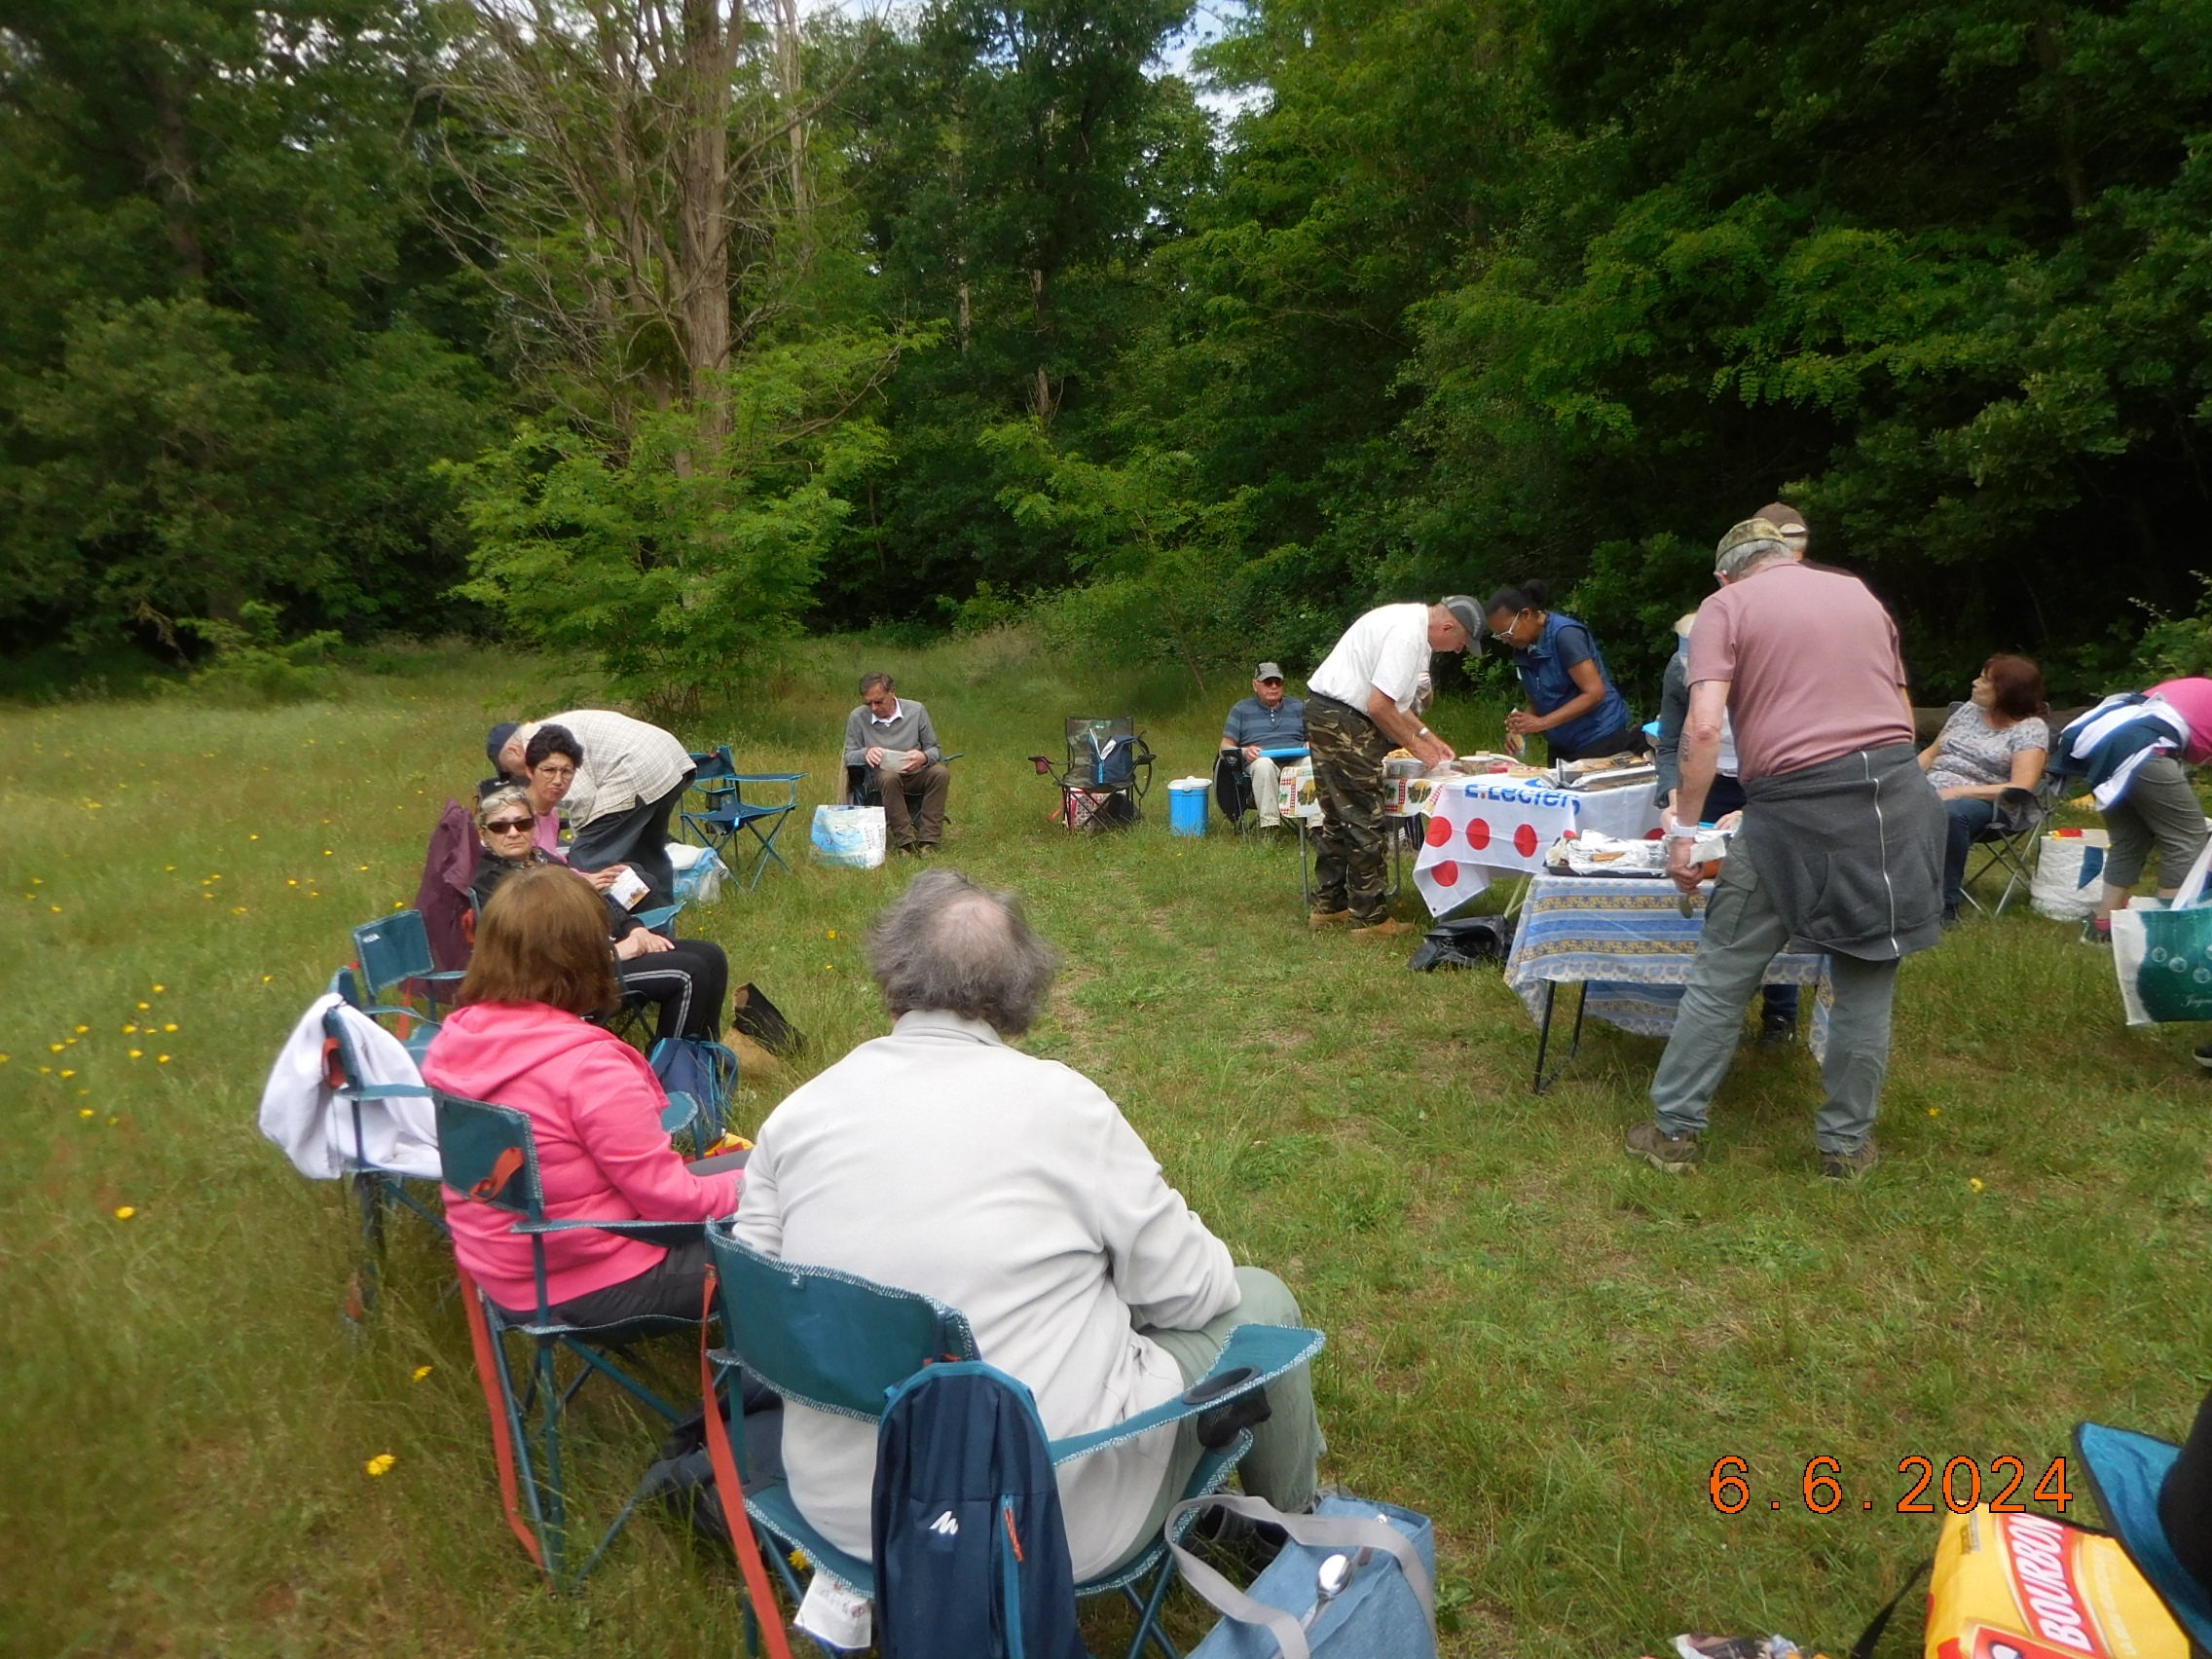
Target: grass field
1543, 1345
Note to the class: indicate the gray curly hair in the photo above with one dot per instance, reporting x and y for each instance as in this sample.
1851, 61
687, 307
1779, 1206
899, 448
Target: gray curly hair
950, 947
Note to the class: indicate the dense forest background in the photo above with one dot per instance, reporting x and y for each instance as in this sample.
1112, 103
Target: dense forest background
671, 328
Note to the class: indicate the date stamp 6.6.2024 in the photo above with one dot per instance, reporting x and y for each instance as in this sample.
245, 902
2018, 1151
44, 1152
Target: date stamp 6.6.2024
1957, 1485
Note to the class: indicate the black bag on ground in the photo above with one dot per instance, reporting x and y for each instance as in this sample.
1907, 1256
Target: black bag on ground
1472, 942
761, 1020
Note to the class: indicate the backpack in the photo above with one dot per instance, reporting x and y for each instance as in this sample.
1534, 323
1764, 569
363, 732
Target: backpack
970, 1549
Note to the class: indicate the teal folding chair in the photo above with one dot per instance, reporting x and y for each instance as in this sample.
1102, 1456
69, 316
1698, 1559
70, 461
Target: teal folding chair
376, 1191
725, 814
840, 1344
393, 952
490, 1157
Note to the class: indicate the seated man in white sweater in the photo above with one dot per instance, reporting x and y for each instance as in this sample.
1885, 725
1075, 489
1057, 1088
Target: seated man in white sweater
940, 1159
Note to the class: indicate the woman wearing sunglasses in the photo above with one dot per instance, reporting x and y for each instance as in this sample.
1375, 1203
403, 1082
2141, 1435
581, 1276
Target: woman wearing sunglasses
1572, 698
688, 979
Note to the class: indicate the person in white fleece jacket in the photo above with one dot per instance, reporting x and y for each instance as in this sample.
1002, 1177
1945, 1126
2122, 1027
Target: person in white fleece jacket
940, 1159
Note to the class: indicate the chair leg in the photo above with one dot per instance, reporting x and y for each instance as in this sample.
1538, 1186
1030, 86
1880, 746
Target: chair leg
555, 1501
510, 1443
1149, 1634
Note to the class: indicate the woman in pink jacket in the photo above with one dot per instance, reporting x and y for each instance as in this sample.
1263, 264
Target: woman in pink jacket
521, 1039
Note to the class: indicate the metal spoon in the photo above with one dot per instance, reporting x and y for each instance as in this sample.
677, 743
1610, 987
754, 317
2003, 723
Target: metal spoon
1329, 1583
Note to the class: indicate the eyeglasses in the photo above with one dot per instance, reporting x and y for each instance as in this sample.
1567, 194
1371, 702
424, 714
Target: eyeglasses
1504, 635
546, 770
510, 826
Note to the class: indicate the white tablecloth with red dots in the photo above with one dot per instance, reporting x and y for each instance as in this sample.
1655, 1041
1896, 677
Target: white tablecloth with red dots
1479, 827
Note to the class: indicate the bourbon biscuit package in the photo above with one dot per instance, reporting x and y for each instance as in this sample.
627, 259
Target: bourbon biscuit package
2024, 1586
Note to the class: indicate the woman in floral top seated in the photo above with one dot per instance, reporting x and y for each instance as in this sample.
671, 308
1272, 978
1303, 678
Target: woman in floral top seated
1994, 742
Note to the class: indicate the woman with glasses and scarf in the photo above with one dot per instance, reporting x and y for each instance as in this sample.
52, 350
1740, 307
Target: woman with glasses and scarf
688, 979
1572, 698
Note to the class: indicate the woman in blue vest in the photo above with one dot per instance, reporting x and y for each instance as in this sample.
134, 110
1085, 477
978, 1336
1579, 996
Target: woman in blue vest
1572, 697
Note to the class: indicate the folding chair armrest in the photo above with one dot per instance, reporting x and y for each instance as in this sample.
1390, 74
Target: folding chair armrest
385, 1091
391, 1011
682, 1112
644, 1231
1259, 1352
659, 917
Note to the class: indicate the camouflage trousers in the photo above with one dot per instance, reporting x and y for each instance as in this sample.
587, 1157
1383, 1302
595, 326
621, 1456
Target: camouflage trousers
1351, 864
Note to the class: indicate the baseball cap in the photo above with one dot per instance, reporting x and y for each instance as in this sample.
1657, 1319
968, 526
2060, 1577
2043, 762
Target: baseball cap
1785, 518
1469, 615
1267, 671
498, 740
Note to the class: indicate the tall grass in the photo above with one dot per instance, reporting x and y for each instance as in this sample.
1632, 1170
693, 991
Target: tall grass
1543, 1345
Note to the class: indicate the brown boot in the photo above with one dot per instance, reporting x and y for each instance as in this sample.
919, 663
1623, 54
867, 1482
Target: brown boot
1327, 918
1389, 927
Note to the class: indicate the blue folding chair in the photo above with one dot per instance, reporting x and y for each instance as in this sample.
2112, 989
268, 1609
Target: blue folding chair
490, 1157
840, 1344
374, 1191
394, 951
726, 813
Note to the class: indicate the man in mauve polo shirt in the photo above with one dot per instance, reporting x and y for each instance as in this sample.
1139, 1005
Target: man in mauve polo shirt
1841, 843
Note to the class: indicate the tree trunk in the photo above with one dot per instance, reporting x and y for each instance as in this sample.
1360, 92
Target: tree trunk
791, 73
702, 163
170, 173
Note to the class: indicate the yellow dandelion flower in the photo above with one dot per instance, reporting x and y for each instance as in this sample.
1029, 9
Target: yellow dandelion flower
420, 1371
1975, 1181
3, 1059
1934, 1111
171, 1026
123, 1212
832, 933
68, 1074
291, 881
380, 1463
143, 1006
38, 881
326, 852
84, 1111
158, 989
798, 1558
160, 1060
54, 1048
238, 909
55, 908
265, 979
43, 1070
137, 1053
82, 1030
360, 866
253, 837
128, 1029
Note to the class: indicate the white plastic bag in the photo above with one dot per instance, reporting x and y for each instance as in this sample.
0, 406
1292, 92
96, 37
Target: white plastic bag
2070, 872
699, 873
852, 838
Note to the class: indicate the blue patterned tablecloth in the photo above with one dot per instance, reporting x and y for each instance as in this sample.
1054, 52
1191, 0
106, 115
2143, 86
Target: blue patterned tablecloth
1626, 939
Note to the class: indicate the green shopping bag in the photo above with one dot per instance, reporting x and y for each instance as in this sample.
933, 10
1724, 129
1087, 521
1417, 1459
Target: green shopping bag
2164, 956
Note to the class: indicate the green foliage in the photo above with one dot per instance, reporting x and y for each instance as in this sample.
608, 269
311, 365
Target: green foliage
252, 664
231, 355
1150, 557
677, 562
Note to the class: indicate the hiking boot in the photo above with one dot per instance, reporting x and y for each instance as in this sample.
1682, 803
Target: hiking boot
1328, 918
1676, 1155
1849, 1166
1777, 1031
1388, 927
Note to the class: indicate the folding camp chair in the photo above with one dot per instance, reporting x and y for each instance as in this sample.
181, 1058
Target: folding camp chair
2012, 841
1232, 789
491, 1157
393, 954
1108, 770
376, 1191
726, 812
839, 1343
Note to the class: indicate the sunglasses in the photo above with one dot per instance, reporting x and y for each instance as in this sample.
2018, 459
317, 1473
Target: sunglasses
510, 826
